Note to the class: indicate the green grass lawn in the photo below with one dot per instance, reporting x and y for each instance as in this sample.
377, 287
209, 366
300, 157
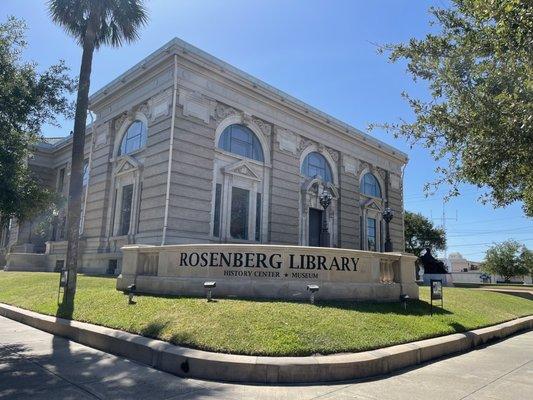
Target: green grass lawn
265, 327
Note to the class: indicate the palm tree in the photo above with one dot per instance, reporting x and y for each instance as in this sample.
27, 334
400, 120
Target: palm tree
92, 23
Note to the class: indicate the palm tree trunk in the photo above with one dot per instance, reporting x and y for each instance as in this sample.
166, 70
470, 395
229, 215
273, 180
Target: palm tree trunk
76, 168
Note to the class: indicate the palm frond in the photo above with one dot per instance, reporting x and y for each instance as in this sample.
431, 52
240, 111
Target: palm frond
119, 21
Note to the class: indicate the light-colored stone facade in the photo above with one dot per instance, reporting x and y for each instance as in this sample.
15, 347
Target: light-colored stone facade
180, 184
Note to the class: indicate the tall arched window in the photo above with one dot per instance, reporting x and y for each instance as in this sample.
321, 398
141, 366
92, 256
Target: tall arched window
370, 185
240, 140
134, 138
315, 164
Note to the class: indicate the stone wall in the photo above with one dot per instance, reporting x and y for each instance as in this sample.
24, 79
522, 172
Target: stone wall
269, 271
284, 196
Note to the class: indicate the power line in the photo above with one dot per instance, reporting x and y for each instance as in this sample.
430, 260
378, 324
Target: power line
485, 243
511, 232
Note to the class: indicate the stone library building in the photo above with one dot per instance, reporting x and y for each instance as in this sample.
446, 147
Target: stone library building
187, 149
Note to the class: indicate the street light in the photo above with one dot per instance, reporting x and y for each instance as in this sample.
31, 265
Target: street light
325, 201
387, 217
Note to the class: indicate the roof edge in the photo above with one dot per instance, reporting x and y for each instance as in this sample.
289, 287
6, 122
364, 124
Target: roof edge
184, 47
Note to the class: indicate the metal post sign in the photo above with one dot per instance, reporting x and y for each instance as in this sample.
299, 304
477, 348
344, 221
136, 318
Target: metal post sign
436, 292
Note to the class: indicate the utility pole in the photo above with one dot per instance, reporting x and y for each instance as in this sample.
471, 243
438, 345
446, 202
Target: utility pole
443, 220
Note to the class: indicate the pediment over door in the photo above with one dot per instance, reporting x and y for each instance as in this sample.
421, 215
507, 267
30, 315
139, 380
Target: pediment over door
372, 204
242, 169
317, 186
125, 165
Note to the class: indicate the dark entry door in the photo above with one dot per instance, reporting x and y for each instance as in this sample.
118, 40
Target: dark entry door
315, 223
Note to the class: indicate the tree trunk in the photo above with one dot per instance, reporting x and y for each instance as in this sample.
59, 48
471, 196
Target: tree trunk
76, 167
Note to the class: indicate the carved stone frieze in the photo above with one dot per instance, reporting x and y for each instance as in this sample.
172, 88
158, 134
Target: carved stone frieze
119, 121
304, 143
265, 127
223, 111
143, 109
333, 153
364, 165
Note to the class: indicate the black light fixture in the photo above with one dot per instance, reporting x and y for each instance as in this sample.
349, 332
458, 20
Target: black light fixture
387, 217
312, 289
403, 300
325, 201
209, 286
131, 292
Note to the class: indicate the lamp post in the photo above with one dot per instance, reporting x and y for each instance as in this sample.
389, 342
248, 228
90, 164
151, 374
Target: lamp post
325, 201
387, 217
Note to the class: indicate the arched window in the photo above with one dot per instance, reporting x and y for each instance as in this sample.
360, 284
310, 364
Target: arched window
134, 138
315, 164
370, 185
240, 140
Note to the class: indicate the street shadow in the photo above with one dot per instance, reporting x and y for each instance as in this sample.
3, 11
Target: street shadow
65, 309
154, 328
57, 368
457, 327
518, 293
413, 307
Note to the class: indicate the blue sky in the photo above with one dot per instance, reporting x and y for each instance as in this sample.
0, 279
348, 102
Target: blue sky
322, 52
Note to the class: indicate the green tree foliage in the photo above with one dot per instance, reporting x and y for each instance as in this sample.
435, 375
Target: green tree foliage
507, 259
28, 99
478, 121
420, 234
92, 24
526, 259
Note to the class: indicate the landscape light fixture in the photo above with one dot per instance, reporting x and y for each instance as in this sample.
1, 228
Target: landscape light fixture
403, 299
209, 285
312, 289
131, 292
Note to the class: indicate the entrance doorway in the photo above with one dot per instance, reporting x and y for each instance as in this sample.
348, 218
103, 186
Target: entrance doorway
315, 226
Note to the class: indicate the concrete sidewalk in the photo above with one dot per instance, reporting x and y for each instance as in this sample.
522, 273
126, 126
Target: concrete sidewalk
38, 365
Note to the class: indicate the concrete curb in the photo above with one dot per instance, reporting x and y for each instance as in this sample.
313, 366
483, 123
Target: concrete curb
250, 369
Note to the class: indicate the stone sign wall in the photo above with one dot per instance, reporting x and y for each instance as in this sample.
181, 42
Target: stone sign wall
267, 271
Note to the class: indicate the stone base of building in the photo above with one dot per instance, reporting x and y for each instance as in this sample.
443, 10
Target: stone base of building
90, 263
269, 272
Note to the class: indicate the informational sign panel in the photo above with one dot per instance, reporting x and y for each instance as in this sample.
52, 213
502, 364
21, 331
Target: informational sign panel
436, 289
63, 278
436, 292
